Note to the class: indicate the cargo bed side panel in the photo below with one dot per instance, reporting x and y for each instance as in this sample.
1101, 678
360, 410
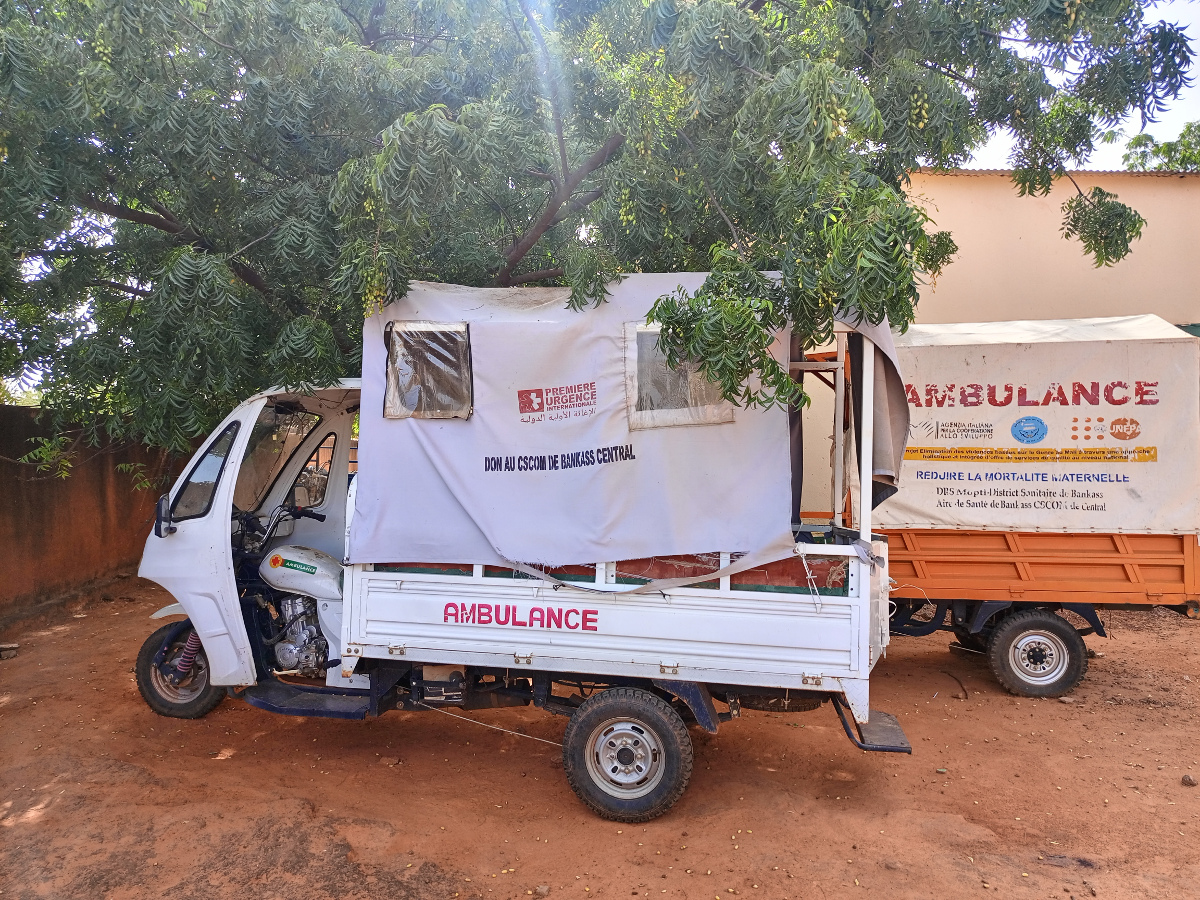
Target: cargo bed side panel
1036, 566
783, 639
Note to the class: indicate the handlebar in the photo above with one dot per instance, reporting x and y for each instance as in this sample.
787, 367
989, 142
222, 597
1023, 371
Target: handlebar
250, 525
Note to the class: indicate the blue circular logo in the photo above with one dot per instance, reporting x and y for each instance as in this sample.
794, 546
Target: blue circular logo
1029, 429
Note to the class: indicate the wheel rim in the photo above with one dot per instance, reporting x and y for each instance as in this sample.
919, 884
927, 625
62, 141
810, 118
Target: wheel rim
1038, 657
625, 758
189, 688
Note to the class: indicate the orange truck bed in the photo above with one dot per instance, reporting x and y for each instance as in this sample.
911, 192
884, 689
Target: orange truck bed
1040, 567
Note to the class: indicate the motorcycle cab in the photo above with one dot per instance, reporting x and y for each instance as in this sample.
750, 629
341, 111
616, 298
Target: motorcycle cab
249, 542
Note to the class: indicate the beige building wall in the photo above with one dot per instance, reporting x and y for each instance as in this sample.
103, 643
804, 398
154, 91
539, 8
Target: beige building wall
1013, 262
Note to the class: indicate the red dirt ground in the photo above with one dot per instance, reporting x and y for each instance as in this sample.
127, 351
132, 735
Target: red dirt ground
100, 798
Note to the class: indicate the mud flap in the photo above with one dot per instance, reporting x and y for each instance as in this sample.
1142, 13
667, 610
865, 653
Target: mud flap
881, 733
697, 698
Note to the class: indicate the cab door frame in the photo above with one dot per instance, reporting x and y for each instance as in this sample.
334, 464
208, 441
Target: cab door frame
194, 562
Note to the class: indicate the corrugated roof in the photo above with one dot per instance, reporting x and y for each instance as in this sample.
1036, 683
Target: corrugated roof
1008, 172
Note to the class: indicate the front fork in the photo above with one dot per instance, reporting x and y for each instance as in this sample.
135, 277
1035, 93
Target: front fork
181, 668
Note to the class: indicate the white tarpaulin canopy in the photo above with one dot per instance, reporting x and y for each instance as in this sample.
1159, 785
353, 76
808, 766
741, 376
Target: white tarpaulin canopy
1065, 425
517, 430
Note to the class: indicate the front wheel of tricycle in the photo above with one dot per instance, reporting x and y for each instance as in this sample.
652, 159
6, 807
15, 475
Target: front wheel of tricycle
189, 697
627, 755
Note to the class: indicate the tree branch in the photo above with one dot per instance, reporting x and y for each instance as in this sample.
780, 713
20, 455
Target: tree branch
551, 83
517, 31
741, 65
374, 18
578, 203
950, 73
164, 212
1074, 182
248, 275
505, 219
185, 234
738, 242
561, 195
234, 50
129, 214
221, 44
541, 275
417, 50
117, 286
1007, 37
543, 176
261, 237
353, 18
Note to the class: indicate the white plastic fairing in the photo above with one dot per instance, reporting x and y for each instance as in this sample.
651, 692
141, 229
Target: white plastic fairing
302, 570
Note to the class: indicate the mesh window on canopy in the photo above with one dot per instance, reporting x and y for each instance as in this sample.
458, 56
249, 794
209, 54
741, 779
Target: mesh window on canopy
658, 396
428, 370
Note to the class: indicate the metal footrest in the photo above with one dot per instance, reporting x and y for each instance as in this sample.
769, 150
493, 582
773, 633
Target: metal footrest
288, 699
881, 733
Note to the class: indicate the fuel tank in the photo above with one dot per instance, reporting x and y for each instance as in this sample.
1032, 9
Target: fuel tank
302, 570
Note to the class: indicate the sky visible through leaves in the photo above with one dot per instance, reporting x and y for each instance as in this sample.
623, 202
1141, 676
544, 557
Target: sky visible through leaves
995, 154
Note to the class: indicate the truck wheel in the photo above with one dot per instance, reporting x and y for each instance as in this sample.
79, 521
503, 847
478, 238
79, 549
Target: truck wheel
968, 641
192, 697
627, 755
1036, 653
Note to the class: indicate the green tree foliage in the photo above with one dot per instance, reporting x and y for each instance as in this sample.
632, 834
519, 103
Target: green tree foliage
1105, 227
1145, 154
200, 198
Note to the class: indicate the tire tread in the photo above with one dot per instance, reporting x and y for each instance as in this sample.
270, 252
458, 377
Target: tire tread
580, 781
201, 706
997, 655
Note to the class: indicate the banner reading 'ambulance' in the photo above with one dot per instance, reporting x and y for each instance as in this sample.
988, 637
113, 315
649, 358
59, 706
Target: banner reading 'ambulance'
1069, 425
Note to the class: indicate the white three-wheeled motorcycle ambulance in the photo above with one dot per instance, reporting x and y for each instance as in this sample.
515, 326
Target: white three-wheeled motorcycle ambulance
540, 512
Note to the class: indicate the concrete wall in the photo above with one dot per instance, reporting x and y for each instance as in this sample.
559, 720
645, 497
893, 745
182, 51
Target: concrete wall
1013, 262
59, 534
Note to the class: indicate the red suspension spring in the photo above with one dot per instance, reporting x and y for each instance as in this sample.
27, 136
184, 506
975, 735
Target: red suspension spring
190, 649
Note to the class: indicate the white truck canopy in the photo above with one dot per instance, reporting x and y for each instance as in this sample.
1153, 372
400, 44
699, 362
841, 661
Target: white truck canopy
497, 426
1063, 425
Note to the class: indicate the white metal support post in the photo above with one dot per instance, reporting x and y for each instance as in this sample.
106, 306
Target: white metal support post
839, 434
866, 440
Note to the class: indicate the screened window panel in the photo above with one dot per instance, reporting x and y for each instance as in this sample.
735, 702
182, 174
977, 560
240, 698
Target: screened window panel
428, 370
661, 397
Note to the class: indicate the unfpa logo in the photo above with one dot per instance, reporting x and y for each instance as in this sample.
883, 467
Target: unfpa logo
532, 401
1125, 429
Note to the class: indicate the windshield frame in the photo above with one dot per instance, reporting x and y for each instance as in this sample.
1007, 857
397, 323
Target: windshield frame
278, 408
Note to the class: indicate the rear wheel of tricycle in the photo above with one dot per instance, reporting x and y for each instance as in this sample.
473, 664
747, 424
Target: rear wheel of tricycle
189, 697
627, 755
791, 703
1036, 653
